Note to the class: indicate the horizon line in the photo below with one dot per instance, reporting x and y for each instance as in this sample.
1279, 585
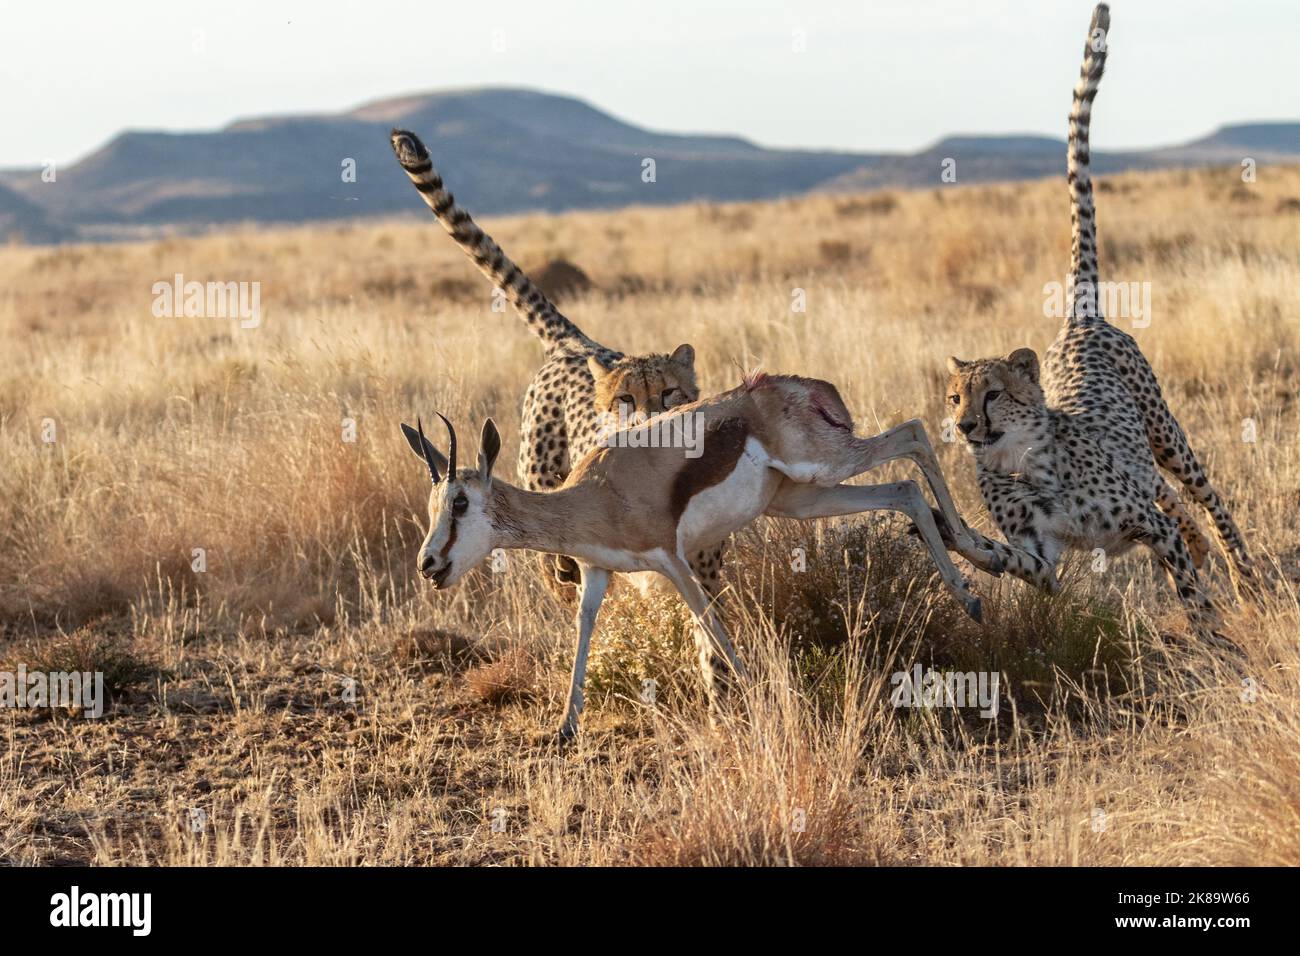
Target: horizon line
539, 91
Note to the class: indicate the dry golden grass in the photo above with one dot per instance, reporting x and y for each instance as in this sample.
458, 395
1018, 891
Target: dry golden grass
233, 696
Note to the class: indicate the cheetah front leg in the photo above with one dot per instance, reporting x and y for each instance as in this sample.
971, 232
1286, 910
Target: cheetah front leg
706, 564
1032, 548
542, 466
706, 567
1020, 560
1027, 558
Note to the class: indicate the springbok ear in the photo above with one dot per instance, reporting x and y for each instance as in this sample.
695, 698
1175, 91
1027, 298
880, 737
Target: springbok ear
684, 355
1025, 361
489, 446
955, 364
597, 370
425, 451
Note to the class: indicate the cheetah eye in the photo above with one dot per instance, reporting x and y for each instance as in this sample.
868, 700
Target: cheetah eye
625, 400
992, 394
956, 399
669, 394
459, 505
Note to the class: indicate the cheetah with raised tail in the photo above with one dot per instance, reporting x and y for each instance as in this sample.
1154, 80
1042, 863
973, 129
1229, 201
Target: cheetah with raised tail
1067, 457
581, 381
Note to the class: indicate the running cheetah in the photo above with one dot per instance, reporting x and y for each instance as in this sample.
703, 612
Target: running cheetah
581, 380
1067, 457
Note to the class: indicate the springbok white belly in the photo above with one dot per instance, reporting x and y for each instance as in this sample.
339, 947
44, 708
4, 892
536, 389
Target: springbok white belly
616, 559
732, 503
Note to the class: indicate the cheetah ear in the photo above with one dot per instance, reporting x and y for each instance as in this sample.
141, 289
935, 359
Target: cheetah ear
955, 364
489, 446
684, 355
1025, 361
597, 370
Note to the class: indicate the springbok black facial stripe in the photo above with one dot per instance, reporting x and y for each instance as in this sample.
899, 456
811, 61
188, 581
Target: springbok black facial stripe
451, 539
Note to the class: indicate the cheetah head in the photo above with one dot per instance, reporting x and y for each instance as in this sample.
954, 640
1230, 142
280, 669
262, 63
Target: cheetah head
642, 386
997, 403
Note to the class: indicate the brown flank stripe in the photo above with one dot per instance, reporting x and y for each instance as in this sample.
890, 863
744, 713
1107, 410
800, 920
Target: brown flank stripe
722, 447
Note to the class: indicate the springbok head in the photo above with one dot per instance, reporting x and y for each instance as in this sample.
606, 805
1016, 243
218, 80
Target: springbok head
461, 533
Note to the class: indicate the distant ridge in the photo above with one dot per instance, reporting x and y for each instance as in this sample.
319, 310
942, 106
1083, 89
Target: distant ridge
1271, 137
502, 150
24, 221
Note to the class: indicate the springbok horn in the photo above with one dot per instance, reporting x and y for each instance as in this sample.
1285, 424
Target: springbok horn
451, 452
424, 447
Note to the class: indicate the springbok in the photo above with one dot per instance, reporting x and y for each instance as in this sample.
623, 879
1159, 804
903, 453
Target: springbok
775, 445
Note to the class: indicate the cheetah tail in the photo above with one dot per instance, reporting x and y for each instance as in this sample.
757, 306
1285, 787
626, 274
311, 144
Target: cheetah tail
529, 301
1083, 216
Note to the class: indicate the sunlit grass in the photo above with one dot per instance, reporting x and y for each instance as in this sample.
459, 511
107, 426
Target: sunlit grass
201, 525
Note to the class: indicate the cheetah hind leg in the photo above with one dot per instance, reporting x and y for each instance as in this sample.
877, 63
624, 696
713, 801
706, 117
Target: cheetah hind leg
1172, 452
1160, 533
1168, 500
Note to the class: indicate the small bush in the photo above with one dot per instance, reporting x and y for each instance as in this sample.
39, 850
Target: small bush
834, 251
514, 677
877, 204
641, 639
433, 648
89, 650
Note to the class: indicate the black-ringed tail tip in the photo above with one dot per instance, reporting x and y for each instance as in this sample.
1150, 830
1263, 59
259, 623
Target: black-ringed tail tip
410, 151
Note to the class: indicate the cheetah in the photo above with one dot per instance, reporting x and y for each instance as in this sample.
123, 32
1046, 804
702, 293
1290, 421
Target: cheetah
581, 381
1067, 455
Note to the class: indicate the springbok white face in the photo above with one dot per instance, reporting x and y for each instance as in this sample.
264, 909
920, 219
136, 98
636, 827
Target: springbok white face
461, 533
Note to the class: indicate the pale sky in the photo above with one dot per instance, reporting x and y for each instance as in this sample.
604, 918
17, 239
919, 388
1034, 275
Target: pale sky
886, 75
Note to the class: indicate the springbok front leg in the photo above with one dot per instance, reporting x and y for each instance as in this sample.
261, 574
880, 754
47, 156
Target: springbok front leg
795, 500
710, 636
594, 583
909, 440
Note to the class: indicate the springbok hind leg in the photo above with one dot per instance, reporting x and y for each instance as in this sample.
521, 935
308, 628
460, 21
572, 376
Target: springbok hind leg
812, 501
909, 440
